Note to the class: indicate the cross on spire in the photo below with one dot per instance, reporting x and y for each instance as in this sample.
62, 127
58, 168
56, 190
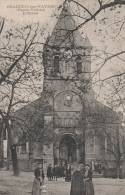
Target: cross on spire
66, 3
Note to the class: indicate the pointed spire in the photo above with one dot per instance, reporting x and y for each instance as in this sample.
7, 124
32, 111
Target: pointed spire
63, 34
66, 4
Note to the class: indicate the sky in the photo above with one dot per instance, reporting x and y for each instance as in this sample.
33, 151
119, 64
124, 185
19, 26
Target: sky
103, 33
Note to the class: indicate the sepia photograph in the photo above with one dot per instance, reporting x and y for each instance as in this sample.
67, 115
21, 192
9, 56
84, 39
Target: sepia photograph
62, 97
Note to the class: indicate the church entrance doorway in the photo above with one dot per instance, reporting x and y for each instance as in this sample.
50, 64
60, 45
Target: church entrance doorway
67, 149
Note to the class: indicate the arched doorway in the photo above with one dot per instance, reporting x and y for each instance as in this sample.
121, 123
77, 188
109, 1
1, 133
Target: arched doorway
67, 149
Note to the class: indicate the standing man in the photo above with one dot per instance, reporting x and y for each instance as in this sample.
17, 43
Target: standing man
42, 172
68, 173
50, 172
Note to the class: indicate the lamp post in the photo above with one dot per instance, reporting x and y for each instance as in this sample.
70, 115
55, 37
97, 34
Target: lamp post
43, 187
8, 125
43, 160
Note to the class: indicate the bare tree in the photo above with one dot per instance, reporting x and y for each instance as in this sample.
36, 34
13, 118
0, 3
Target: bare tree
18, 58
98, 13
16, 47
114, 147
91, 13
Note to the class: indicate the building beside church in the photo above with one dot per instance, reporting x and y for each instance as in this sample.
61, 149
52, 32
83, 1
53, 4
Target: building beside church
67, 123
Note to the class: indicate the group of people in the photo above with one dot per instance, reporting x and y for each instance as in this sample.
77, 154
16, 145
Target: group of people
54, 172
81, 179
81, 183
59, 171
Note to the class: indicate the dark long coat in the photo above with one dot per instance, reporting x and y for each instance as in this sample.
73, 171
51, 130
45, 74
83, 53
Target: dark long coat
89, 188
36, 187
77, 184
49, 172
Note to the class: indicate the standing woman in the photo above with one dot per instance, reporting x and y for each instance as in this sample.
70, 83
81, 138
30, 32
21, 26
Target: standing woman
77, 182
89, 188
36, 183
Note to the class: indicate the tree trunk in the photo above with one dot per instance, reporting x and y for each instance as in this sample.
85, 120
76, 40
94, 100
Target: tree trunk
14, 160
118, 169
1, 148
1, 152
12, 148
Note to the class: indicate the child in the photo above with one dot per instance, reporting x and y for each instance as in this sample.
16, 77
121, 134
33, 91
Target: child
36, 183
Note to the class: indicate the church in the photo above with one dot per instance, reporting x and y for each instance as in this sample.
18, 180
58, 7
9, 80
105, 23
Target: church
66, 124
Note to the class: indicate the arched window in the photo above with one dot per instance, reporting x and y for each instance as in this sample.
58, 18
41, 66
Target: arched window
56, 64
79, 64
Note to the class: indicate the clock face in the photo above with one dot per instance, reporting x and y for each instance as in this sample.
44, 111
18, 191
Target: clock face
67, 54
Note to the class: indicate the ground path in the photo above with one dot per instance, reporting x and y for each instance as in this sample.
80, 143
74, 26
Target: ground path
22, 185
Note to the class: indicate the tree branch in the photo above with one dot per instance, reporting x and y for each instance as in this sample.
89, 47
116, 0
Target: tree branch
2, 25
102, 7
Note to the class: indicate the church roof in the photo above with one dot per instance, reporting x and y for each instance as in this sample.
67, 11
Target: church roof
64, 33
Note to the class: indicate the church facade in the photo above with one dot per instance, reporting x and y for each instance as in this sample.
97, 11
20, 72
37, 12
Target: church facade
66, 124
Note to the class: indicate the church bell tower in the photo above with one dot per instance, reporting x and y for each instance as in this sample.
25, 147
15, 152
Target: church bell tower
67, 67
66, 54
